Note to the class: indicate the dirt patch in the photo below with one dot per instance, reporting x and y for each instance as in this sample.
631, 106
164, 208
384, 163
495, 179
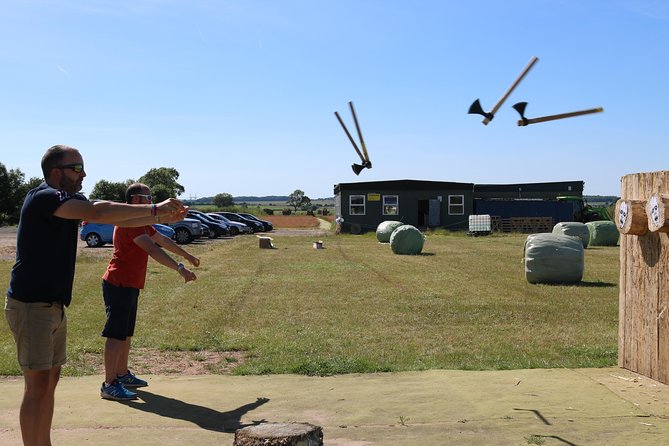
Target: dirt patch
292, 221
148, 361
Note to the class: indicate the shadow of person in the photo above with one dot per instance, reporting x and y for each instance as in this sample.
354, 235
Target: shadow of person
204, 417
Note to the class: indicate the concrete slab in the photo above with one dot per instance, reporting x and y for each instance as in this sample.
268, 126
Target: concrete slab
517, 407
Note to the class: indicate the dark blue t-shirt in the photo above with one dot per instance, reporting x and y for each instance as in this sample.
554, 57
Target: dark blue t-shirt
46, 249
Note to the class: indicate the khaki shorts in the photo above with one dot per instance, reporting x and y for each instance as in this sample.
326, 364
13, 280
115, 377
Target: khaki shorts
40, 332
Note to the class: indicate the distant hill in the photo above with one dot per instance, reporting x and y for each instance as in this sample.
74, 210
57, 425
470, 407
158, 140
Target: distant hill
244, 199
251, 199
600, 198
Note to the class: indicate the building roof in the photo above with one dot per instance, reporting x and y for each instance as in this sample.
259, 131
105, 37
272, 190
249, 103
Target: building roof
402, 184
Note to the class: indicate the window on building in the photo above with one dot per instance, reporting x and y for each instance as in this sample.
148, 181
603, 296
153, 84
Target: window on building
456, 205
390, 205
356, 205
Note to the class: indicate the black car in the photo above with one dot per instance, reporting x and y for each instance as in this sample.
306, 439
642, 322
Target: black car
255, 225
216, 228
268, 226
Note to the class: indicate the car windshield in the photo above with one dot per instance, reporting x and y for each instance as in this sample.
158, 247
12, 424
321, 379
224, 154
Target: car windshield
220, 217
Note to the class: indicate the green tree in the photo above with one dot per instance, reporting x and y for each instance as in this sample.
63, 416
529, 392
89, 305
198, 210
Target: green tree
163, 183
108, 190
12, 192
298, 200
222, 200
161, 192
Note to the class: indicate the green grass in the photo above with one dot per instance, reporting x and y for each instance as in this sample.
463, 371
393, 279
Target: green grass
357, 307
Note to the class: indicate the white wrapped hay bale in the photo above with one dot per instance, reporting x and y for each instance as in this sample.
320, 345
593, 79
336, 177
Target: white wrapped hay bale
407, 239
603, 233
575, 229
553, 258
385, 230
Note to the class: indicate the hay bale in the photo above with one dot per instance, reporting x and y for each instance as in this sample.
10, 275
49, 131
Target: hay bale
385, 230
575, 229
553, 258
603, 233
407, 239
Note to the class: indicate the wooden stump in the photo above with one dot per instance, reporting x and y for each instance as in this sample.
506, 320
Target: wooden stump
657, 210
265, 242
631, 217
280, 434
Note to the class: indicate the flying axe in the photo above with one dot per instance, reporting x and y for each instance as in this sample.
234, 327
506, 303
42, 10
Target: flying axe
523, 121
366, 163
476, 108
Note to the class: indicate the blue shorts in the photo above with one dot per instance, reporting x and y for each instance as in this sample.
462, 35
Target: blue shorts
121, 310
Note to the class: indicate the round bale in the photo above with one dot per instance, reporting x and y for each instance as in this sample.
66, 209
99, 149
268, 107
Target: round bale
603, 233
385, 230
407, 239
553, 258
574, 229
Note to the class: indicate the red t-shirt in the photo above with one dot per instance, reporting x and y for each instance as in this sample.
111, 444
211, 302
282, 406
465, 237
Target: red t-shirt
127, 268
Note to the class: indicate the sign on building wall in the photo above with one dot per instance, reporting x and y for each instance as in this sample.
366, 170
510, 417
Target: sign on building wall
373, 197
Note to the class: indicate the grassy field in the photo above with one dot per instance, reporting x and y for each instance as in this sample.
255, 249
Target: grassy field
356, 307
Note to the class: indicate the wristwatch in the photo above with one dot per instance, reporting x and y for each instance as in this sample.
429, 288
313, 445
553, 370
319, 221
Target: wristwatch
180, 267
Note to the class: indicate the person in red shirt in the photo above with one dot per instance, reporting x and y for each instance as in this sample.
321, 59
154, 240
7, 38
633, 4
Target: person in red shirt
121, 283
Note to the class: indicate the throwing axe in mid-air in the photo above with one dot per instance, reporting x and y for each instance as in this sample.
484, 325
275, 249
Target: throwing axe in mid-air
523, 121
476, 108
366, 163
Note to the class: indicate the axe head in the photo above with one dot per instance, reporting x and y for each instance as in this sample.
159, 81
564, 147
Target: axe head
476, 108
520, 108
357, 168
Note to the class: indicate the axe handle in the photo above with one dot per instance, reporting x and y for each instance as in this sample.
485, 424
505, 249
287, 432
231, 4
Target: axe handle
355, 146
513, 86
524, 122
357, 127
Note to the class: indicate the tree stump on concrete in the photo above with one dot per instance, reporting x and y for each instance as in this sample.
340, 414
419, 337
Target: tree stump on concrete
280, 434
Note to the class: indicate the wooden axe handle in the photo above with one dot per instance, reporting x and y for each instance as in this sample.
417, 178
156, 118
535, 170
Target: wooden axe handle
357, 127
511, 88
355, 146
524, 122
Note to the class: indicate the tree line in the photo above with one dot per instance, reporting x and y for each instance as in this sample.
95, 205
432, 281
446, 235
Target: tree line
13, 188
161, 180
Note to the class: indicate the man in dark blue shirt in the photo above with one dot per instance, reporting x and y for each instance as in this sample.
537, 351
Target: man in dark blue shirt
40, 285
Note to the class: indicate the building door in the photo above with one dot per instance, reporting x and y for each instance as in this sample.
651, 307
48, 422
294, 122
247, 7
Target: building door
434, 216
423, 212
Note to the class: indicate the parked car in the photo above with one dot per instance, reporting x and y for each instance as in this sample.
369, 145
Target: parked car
187, 230
99, 234
235, 227
267, 224
253, 224
216, 228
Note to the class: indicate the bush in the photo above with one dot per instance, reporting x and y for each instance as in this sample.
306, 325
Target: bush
268, 211
286, 212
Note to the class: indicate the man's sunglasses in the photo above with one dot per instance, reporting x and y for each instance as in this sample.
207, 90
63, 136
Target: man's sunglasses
78, 168
146, 197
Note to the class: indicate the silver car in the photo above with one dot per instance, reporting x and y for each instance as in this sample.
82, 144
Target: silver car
235, 227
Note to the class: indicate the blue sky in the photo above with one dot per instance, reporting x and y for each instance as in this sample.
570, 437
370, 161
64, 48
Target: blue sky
239, 96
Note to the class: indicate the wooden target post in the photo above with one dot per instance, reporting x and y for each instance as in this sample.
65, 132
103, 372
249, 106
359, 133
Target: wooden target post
631, 217
643, 331
657, 210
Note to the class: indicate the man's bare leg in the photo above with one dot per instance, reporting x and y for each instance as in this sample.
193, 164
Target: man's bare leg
37, 406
